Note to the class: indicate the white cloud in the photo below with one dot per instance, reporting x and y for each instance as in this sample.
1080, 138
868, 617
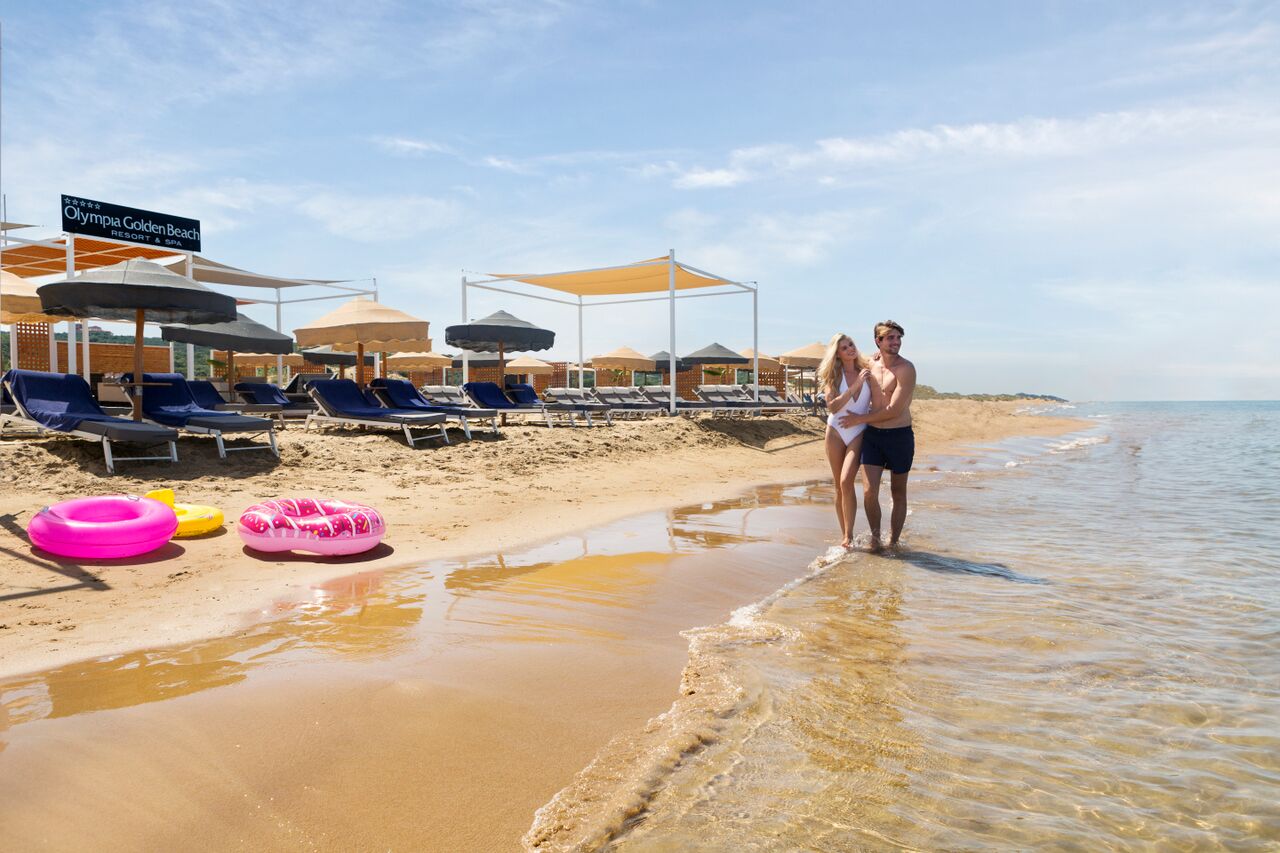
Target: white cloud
378, 218
411, 147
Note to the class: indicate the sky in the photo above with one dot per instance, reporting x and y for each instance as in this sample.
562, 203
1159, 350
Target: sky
1071, 198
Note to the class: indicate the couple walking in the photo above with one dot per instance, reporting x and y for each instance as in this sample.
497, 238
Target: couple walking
869, 425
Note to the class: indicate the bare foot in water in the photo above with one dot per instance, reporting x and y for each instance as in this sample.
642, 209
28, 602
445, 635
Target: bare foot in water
847, 543
874, 545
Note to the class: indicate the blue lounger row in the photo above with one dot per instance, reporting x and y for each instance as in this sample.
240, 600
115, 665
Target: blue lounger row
167, 400
340, 402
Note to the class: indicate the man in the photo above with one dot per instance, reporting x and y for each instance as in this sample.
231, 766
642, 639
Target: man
889, 441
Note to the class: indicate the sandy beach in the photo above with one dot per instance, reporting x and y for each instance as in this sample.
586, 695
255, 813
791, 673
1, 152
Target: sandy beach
485, 495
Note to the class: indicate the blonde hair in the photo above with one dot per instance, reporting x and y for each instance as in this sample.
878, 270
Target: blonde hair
827, 378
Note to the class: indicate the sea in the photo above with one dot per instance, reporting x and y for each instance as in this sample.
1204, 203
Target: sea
1077, 647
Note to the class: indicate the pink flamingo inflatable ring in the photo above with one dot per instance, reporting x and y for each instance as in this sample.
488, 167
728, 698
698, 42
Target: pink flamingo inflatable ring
103, 528
315, 525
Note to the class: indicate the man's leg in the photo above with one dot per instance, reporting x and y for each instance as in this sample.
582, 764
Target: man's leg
898, 489
871, 500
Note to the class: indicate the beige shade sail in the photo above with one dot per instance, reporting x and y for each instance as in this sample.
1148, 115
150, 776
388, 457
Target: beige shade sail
19, 302
529, 364
809, 355
625, 358
213, 272
367, 325
767, 362
649, 276
418, 361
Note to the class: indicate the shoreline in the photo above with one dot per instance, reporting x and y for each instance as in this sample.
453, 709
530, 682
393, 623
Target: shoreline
471, 498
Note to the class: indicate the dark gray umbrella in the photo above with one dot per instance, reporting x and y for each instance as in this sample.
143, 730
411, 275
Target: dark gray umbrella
498, 333
478, 359
663, 360
136, 290
715, 354
241, 334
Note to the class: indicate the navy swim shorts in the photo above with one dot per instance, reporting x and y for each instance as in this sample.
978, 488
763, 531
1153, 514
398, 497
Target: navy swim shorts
894, 448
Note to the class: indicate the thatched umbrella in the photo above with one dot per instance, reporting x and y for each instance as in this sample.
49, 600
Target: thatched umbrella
137, 290
20, 303
363, 323
418, 361
527, 365
623, 358
241, 333
767, 362
498, 333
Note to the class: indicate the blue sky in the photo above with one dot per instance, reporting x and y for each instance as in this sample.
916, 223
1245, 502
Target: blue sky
1071, 198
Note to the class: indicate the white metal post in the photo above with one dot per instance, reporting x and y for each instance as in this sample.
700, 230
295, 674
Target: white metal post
53, 349
279, 358
72, 325
671, 294
465, 371
85, 353
13, 345
581, 367
172, 350
755, 341
191, 348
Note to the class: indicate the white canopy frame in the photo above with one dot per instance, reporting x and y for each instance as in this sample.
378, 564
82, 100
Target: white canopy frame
194, 266
728, 288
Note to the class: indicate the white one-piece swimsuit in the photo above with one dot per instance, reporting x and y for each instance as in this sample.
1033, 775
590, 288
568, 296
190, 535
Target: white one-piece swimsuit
860, 406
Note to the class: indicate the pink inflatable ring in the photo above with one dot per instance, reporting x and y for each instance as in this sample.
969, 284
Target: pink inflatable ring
103, 528
318, 526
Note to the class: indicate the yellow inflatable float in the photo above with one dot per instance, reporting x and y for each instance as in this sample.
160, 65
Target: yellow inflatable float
193, 519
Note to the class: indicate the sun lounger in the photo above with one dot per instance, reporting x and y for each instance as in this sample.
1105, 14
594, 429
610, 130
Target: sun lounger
770, 399
342, 403
61, 402
725, 398
575, 397
167, 400
628, 401
207, 396
296, 390
524, 394
402, 395
488, 395
267, 394
661, 394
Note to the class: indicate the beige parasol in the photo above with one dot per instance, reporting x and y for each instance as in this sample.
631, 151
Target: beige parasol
528, 365
625, 358
418, 361
803, 358
767, 362
19, 302
363, 323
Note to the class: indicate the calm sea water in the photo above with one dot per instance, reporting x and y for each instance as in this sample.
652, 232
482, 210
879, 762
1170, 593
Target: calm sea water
1079, 649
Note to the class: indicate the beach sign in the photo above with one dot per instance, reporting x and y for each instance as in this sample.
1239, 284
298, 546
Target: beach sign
115, 222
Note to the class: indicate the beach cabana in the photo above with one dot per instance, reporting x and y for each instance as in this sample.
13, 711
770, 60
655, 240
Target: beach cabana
717, 355
588, 288
365, 324
527, 365
135, 290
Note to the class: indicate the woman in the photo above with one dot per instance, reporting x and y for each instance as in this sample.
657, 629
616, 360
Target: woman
843, 376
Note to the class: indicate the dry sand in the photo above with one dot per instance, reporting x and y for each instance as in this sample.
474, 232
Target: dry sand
486, 495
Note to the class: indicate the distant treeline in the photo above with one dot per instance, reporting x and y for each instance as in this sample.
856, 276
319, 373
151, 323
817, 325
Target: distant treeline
102, 337
928, 392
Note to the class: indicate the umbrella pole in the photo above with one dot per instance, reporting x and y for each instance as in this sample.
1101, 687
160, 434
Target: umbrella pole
231, 370
360, 364
502, 376
382, 365
139, 320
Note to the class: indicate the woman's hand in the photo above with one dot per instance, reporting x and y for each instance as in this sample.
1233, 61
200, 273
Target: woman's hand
864, 375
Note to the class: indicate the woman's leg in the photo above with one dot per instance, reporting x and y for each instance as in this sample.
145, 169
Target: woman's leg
848, 480
835, 455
